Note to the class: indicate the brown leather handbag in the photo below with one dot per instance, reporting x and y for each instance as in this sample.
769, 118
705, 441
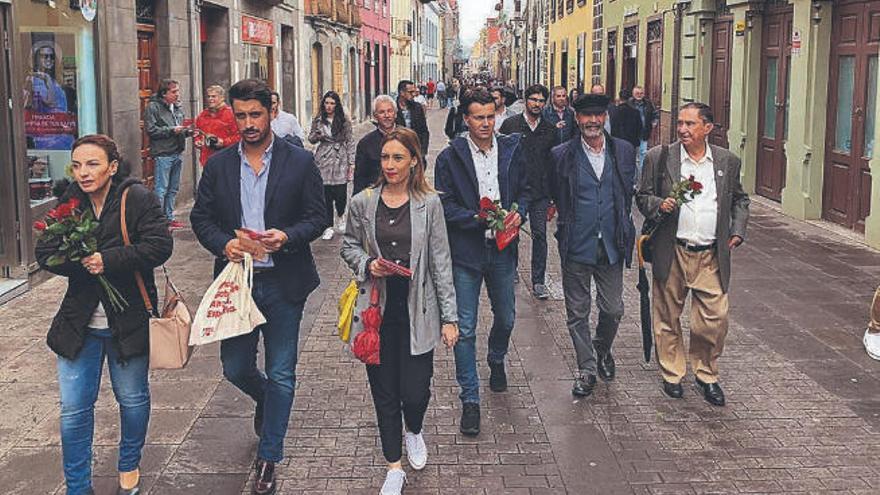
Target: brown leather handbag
169, 333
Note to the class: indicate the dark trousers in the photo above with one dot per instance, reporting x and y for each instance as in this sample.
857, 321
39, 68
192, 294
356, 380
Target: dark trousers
401, 383
538, 224
275, 388
335, 195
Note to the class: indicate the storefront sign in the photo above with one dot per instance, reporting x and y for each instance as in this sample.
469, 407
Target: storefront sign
796, 43
89, 9
257, 31
740, 28
49, 124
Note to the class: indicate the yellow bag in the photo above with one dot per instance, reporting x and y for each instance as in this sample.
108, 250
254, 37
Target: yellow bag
346, 310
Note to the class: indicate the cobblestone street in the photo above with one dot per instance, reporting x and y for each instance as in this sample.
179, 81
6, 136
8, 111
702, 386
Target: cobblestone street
803, 412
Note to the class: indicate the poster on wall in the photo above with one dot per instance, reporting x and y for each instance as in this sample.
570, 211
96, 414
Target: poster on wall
89, 9
50, 91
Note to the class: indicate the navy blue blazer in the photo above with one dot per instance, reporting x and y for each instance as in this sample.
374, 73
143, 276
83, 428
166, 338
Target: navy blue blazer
570, 129
456, 179
564, 185
294, 204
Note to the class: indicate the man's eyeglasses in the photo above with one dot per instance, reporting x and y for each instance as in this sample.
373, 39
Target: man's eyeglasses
537, 100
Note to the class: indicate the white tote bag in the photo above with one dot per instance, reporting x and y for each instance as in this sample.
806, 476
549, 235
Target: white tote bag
227, 309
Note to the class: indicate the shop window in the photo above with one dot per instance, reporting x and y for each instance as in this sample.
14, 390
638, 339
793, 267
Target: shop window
871, 107
59, 89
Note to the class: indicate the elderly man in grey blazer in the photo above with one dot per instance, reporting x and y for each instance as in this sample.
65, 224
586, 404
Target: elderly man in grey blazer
692, 249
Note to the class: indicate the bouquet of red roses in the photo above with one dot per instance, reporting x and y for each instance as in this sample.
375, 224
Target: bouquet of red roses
685, 190
499, 220
75, 229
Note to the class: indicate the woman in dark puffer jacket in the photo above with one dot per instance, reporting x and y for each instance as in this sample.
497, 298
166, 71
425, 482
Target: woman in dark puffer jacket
86, 329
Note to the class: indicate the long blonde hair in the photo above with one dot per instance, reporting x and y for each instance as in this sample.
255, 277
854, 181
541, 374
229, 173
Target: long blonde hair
417, 183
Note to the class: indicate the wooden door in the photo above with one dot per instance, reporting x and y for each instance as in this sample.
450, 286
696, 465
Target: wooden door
611, 67
147, 67
852, 99
630, 57
719, 93
773, 108
654, 71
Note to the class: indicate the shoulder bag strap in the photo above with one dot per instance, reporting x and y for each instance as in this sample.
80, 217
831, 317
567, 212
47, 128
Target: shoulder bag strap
137, 274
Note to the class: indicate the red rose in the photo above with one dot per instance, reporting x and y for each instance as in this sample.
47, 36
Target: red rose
483, 214
63, 211
487, 204
40, 225
74, 203
696, 187
691, 179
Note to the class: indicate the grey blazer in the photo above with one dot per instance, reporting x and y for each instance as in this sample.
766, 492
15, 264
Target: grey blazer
431, 291
333, 155
733, 206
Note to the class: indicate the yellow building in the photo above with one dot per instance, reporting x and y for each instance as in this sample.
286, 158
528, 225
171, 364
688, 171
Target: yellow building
401, 42
570, 43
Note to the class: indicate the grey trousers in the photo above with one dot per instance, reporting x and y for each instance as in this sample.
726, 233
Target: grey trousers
576, 283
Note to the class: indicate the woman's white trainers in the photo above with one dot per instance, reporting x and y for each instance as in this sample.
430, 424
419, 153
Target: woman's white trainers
328, 234
394, 481
416, 451
872, 345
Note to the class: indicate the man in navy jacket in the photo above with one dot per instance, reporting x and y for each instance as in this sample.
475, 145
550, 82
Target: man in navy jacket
592, 183
264, 184
481, 165
560, 114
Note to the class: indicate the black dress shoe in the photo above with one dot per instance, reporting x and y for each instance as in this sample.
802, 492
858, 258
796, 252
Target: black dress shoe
673, 390
264, 478
605, 366
497, 377
470, 419
711, 392
258, 420
583, 386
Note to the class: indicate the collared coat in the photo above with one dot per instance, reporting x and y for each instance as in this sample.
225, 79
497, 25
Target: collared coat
733, 206
564, 187
455, 177
431, 300
294, 204
334, 154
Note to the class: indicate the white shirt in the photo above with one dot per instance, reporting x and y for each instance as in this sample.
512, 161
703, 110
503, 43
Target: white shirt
596, 157
529, 122
286, 124
698, 217
486, 168
99, 318
500, 118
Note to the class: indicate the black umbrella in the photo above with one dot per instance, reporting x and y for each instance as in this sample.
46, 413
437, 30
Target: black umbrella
645, 301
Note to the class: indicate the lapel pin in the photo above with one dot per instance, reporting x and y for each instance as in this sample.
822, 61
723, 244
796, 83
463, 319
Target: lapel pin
721, 173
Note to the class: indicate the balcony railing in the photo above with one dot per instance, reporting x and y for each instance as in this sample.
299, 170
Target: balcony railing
341, 11
402, 28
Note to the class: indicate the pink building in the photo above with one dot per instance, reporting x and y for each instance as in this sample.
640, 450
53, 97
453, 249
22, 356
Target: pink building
375, 49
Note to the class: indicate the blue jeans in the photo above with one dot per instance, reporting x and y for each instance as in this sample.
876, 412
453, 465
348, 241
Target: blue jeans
538, 224
643, 150
79, 380
275, 388
167, 175
499, 270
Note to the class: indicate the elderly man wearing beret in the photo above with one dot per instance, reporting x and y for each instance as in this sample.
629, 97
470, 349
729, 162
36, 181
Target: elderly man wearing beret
592, 184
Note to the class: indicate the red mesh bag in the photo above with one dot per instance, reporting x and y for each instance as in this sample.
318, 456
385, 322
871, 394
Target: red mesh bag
366, 343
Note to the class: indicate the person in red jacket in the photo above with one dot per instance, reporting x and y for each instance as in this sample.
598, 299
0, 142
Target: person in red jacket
216, 125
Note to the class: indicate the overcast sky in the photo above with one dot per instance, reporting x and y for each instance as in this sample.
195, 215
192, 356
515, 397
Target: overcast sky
473, 15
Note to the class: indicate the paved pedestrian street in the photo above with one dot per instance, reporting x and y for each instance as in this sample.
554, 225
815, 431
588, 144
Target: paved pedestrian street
803, 411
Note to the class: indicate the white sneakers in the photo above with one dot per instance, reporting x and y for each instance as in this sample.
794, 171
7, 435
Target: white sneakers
394, 481
328, 234
416, 451
872, 345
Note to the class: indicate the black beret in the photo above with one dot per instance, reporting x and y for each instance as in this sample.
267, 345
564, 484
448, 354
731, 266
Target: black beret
590, 103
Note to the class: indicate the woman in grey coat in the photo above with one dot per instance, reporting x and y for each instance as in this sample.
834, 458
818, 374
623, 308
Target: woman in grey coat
334, 156
401, 220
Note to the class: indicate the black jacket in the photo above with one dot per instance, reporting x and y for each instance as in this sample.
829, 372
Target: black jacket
294, 204
455, 125
536, 147
564, 187
367, 163
419, 123
151, 246
626, 124
650, 117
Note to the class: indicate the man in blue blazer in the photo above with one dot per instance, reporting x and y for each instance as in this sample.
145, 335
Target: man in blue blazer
265, 184
481, 165
592, 183
560, 115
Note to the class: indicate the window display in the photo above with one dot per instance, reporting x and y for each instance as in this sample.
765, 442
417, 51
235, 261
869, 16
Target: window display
58, 90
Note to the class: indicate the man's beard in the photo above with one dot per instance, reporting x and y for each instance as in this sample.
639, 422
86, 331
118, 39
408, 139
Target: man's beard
590, 131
